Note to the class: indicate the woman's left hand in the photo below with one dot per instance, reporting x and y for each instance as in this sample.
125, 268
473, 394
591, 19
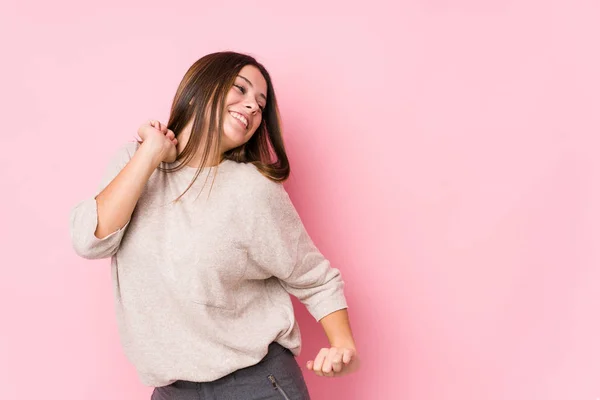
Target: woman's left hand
335, 362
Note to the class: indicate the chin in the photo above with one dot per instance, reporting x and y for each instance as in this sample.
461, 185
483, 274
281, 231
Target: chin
236, 139
232, 144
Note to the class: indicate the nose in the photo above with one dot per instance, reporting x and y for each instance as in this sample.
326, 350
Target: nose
252, 105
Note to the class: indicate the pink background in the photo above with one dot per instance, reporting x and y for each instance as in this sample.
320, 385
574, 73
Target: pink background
444, 157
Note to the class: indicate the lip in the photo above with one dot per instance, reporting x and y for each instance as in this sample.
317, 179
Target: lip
245, 116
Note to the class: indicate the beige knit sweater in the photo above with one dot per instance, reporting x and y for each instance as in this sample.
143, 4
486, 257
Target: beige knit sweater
202, 286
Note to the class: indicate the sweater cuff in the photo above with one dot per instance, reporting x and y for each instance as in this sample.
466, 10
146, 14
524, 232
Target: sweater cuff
84, 222
327, 306
95, 239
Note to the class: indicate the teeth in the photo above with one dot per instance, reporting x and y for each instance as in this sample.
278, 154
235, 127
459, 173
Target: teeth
239, 117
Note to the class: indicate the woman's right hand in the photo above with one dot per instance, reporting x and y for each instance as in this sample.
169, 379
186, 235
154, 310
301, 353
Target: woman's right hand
162, 140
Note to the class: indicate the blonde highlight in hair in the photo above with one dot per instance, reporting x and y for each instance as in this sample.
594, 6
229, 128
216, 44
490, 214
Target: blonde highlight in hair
201, 96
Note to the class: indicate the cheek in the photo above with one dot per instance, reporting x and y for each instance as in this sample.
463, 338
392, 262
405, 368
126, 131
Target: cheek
234, 96
257, 123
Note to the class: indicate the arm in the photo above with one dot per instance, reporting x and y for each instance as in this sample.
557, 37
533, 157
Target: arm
341, 358
282, 247
337, 328
99, 223
93, 236
116, 202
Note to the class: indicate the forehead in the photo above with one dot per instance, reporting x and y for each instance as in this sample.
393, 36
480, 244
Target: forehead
253, 74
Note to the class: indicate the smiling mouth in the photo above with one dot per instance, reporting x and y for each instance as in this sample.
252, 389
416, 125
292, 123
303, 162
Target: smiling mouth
240, 118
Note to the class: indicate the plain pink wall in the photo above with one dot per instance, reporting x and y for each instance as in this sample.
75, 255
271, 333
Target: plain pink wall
445, 158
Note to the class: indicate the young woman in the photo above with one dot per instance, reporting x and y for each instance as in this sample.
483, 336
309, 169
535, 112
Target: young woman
206, 246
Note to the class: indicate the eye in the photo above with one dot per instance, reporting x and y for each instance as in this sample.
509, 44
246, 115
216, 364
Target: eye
241, 88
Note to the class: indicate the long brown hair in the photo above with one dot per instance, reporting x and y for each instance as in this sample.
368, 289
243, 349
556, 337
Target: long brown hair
201, 96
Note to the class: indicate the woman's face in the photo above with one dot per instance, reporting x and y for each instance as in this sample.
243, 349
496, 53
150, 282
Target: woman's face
244, 105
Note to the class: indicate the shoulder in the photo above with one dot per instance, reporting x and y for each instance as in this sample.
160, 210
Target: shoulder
123, 154
257, 185
127, 150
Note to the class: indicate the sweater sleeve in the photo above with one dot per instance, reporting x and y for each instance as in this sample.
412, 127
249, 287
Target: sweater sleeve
84, 216
281, 246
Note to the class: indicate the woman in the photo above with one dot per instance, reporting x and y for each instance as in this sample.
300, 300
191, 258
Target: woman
206, 246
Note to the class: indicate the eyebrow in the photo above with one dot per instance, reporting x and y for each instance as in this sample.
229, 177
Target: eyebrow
251, 85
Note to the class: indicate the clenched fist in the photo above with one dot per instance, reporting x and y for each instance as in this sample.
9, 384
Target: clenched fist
334, 362
160, 139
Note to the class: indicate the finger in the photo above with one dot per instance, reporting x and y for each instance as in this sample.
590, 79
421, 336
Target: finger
170, 135
309, 365
348, 355
319, 359
336, 363
327, 363
161, 127
334, 357
318, 363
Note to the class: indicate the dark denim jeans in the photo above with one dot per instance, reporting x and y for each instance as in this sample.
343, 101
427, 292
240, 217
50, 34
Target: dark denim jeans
275, 377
